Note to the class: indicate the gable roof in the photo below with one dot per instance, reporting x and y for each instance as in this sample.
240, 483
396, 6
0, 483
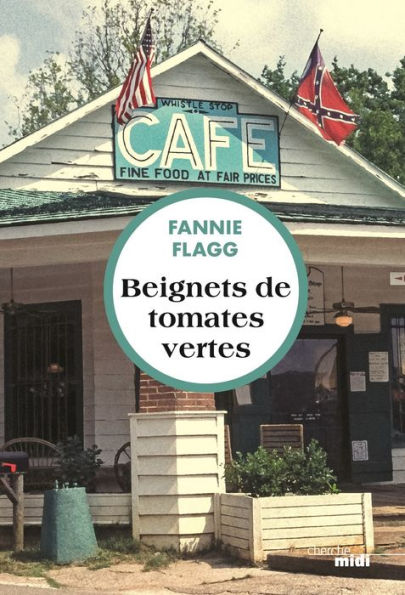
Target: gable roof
201, 48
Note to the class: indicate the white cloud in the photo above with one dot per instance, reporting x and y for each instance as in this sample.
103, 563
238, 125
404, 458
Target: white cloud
376, 25
254, 24
11, 81
367, 33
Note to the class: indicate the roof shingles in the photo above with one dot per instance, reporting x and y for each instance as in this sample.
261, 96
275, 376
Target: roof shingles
25, 207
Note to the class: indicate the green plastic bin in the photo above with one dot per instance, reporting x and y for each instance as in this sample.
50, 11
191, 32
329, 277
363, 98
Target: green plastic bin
67, 532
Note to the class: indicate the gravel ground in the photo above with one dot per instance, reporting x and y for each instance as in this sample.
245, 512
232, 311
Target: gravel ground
210, 574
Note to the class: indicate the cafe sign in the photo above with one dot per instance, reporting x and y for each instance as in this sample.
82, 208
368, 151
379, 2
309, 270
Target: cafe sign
188, 140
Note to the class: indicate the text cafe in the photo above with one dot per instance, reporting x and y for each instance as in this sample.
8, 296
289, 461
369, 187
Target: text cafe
68, 190
202, 141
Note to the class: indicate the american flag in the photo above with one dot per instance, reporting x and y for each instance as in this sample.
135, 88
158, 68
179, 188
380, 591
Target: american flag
137, 90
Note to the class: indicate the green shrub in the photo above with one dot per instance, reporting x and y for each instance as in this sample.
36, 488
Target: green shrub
292, 472
76, 465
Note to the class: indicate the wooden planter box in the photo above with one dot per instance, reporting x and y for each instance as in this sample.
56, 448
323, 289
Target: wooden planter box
253, 527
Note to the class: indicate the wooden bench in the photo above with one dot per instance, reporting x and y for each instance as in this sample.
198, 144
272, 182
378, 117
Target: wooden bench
277, 436
105, 509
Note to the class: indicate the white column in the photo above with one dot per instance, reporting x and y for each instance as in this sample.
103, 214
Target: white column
177, 467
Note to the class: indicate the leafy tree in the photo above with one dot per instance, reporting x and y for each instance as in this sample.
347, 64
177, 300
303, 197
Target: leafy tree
102, 52
381, 134
47, 96
398, 93
379, 101
277, 81
109, 37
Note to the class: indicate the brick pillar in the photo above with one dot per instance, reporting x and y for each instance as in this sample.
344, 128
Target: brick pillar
156, 397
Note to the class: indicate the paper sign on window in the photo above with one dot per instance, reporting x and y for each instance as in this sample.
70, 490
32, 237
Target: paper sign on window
378, 366
360, 450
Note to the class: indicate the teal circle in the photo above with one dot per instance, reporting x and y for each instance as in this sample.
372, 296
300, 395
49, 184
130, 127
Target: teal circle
209, 386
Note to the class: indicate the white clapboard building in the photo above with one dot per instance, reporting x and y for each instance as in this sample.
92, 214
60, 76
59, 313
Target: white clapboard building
64, 198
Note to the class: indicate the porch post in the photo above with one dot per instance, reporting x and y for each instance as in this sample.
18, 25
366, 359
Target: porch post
17, 483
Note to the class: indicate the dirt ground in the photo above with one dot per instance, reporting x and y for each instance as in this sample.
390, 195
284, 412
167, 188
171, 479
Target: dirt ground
209, 574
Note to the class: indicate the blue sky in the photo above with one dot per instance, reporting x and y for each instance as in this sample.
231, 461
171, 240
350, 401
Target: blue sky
363, 32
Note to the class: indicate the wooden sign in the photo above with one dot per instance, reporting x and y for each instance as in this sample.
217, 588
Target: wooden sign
397, 278
188, 140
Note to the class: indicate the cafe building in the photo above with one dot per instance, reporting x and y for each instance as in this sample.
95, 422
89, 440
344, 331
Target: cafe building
68, 190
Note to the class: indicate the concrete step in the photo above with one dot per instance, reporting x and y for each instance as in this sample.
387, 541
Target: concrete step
389, 521
392, 568
389, 535
389, 515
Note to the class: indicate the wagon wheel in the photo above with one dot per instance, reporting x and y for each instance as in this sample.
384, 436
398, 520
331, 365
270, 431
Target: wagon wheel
122, 467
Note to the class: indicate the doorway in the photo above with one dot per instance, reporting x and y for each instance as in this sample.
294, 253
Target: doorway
43, 371
393, 322
306, 388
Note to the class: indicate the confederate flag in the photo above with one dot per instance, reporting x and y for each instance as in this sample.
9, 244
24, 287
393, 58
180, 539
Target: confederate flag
318, 99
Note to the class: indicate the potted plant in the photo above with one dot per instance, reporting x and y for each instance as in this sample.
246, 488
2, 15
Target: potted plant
78, 466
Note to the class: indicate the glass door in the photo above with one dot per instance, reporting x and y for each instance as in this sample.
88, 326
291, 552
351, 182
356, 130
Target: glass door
306, 389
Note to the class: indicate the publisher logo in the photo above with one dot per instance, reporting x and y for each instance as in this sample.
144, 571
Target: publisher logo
360, 561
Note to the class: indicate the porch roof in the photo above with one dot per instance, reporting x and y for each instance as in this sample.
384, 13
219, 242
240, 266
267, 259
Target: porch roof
23, 207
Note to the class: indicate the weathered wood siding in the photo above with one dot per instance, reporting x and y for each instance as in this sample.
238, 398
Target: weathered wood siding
253, 527
177, 465
113, 378
80, 157
106, 509
235, 524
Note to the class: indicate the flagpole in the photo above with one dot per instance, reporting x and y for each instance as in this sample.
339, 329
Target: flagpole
295, 94
317, 39
152, 10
